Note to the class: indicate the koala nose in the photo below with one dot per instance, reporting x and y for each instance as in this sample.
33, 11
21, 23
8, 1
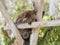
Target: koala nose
25, 35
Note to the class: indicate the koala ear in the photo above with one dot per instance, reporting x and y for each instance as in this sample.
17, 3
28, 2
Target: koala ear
35, 12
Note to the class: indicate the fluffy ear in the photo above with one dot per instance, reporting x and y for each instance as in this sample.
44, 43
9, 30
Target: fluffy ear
35, 12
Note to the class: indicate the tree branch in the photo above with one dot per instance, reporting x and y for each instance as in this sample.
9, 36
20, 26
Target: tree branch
40, 24
11, 25
36, 24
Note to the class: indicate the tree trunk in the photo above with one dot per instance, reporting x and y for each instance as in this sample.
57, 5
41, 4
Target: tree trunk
38, 6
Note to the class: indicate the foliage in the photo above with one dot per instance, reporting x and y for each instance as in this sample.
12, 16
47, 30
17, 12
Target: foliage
49, 35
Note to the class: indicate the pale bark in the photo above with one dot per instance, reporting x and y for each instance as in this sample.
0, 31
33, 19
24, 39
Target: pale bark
14, 30
40, 24
38, 6
36, 24
53, 8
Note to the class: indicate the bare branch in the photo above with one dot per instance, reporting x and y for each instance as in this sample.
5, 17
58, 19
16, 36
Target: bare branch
36, 24
11, 24
40, 24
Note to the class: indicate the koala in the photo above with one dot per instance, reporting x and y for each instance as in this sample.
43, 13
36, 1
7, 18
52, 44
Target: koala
26, 17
